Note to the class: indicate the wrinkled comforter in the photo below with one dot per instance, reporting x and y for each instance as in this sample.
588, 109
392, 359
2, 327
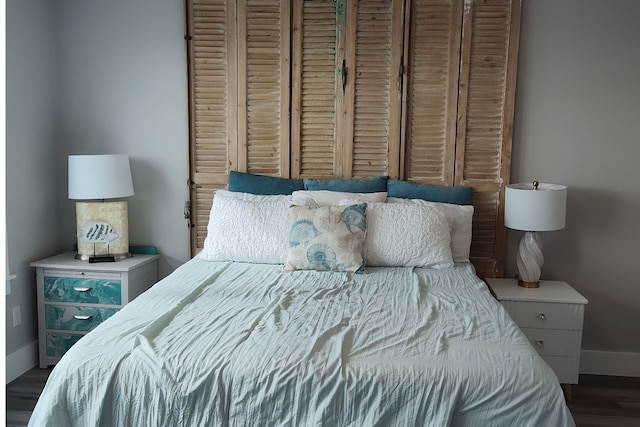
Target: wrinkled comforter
250, 345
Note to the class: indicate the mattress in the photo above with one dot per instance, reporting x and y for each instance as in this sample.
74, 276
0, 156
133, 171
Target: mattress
223, 343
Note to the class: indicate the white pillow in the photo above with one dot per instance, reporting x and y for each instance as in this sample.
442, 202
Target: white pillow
254, 197
461, 220
411, 235
313, 198
247, 230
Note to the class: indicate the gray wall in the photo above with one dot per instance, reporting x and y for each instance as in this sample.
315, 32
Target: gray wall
578, 124
123, 90
32, 191
92, 77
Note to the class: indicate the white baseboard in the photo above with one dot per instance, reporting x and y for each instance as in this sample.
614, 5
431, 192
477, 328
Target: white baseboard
614, 363
20, 361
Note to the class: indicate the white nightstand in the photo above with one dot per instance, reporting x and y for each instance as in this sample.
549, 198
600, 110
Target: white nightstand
76, 296
551, 317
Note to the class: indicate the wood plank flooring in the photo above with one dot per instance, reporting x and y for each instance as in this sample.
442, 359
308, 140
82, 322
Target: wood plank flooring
597, 401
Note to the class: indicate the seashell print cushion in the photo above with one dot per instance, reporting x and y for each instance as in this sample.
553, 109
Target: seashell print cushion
328, 238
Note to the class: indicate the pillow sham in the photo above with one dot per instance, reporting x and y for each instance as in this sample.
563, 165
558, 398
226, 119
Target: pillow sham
262, 184
327, 238
459, 195
246, 231
368, 185
410, 235
333, 198
255, 197
460, 219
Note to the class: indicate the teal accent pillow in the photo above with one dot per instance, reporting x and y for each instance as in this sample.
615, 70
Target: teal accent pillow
328, 238
241, 182
368, 185
458, 195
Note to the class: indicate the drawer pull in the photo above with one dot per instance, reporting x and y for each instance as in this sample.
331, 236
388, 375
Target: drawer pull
542, 316
540, 343
81, 288
82, 316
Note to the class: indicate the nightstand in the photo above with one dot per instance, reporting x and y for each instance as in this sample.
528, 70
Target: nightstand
551, 317
76, 296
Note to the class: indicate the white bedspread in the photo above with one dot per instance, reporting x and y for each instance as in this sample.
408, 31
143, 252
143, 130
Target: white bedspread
250, 345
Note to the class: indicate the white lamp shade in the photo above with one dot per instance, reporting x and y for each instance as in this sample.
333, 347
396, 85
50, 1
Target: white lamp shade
96, 177
541, 209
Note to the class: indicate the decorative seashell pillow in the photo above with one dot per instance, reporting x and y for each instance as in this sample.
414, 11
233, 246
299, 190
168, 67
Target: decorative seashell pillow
327, 238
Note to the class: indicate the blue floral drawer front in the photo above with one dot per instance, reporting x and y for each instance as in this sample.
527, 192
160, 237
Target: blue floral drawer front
58, 344
81, 289
72, 318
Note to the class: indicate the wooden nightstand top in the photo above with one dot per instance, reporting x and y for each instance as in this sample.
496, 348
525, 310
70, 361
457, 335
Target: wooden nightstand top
549, 291
67, 261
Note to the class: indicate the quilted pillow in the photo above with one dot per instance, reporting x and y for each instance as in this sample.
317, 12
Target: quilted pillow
460, 219
327, 238
408, 235
247, 230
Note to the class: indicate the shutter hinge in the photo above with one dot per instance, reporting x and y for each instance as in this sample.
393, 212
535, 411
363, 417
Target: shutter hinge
187, 210
187, 37
187, 205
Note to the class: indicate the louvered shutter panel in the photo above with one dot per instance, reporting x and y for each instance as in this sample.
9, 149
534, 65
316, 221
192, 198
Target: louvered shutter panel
213, 101
434, 59
239, 89
346, 106
314, 89
352, 115
485, 117
374, 47
263, 86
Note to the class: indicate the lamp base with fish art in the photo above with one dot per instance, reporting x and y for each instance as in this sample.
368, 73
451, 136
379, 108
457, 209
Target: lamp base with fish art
103, 231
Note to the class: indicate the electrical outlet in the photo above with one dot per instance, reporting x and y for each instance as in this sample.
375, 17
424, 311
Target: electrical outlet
17, 316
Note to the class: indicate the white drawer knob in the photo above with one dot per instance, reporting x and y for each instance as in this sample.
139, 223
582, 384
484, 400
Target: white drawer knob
540, 343
81, 317
542, 316
81, 289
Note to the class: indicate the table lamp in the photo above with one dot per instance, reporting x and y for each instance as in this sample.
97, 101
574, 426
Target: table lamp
532, 208
102, 226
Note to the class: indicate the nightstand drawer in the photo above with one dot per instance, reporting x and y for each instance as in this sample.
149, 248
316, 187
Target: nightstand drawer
545, 315
76, 318
58, 343
89, 290
554, 342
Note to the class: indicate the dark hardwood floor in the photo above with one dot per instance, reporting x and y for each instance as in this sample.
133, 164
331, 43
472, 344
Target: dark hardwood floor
596, 401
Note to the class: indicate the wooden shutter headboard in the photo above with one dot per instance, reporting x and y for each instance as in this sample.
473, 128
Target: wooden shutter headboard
421, 90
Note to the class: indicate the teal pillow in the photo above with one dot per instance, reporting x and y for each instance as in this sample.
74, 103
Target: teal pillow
368, 185
241, 182
459, 195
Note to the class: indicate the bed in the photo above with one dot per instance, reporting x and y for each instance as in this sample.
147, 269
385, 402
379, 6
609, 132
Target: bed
388, 336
